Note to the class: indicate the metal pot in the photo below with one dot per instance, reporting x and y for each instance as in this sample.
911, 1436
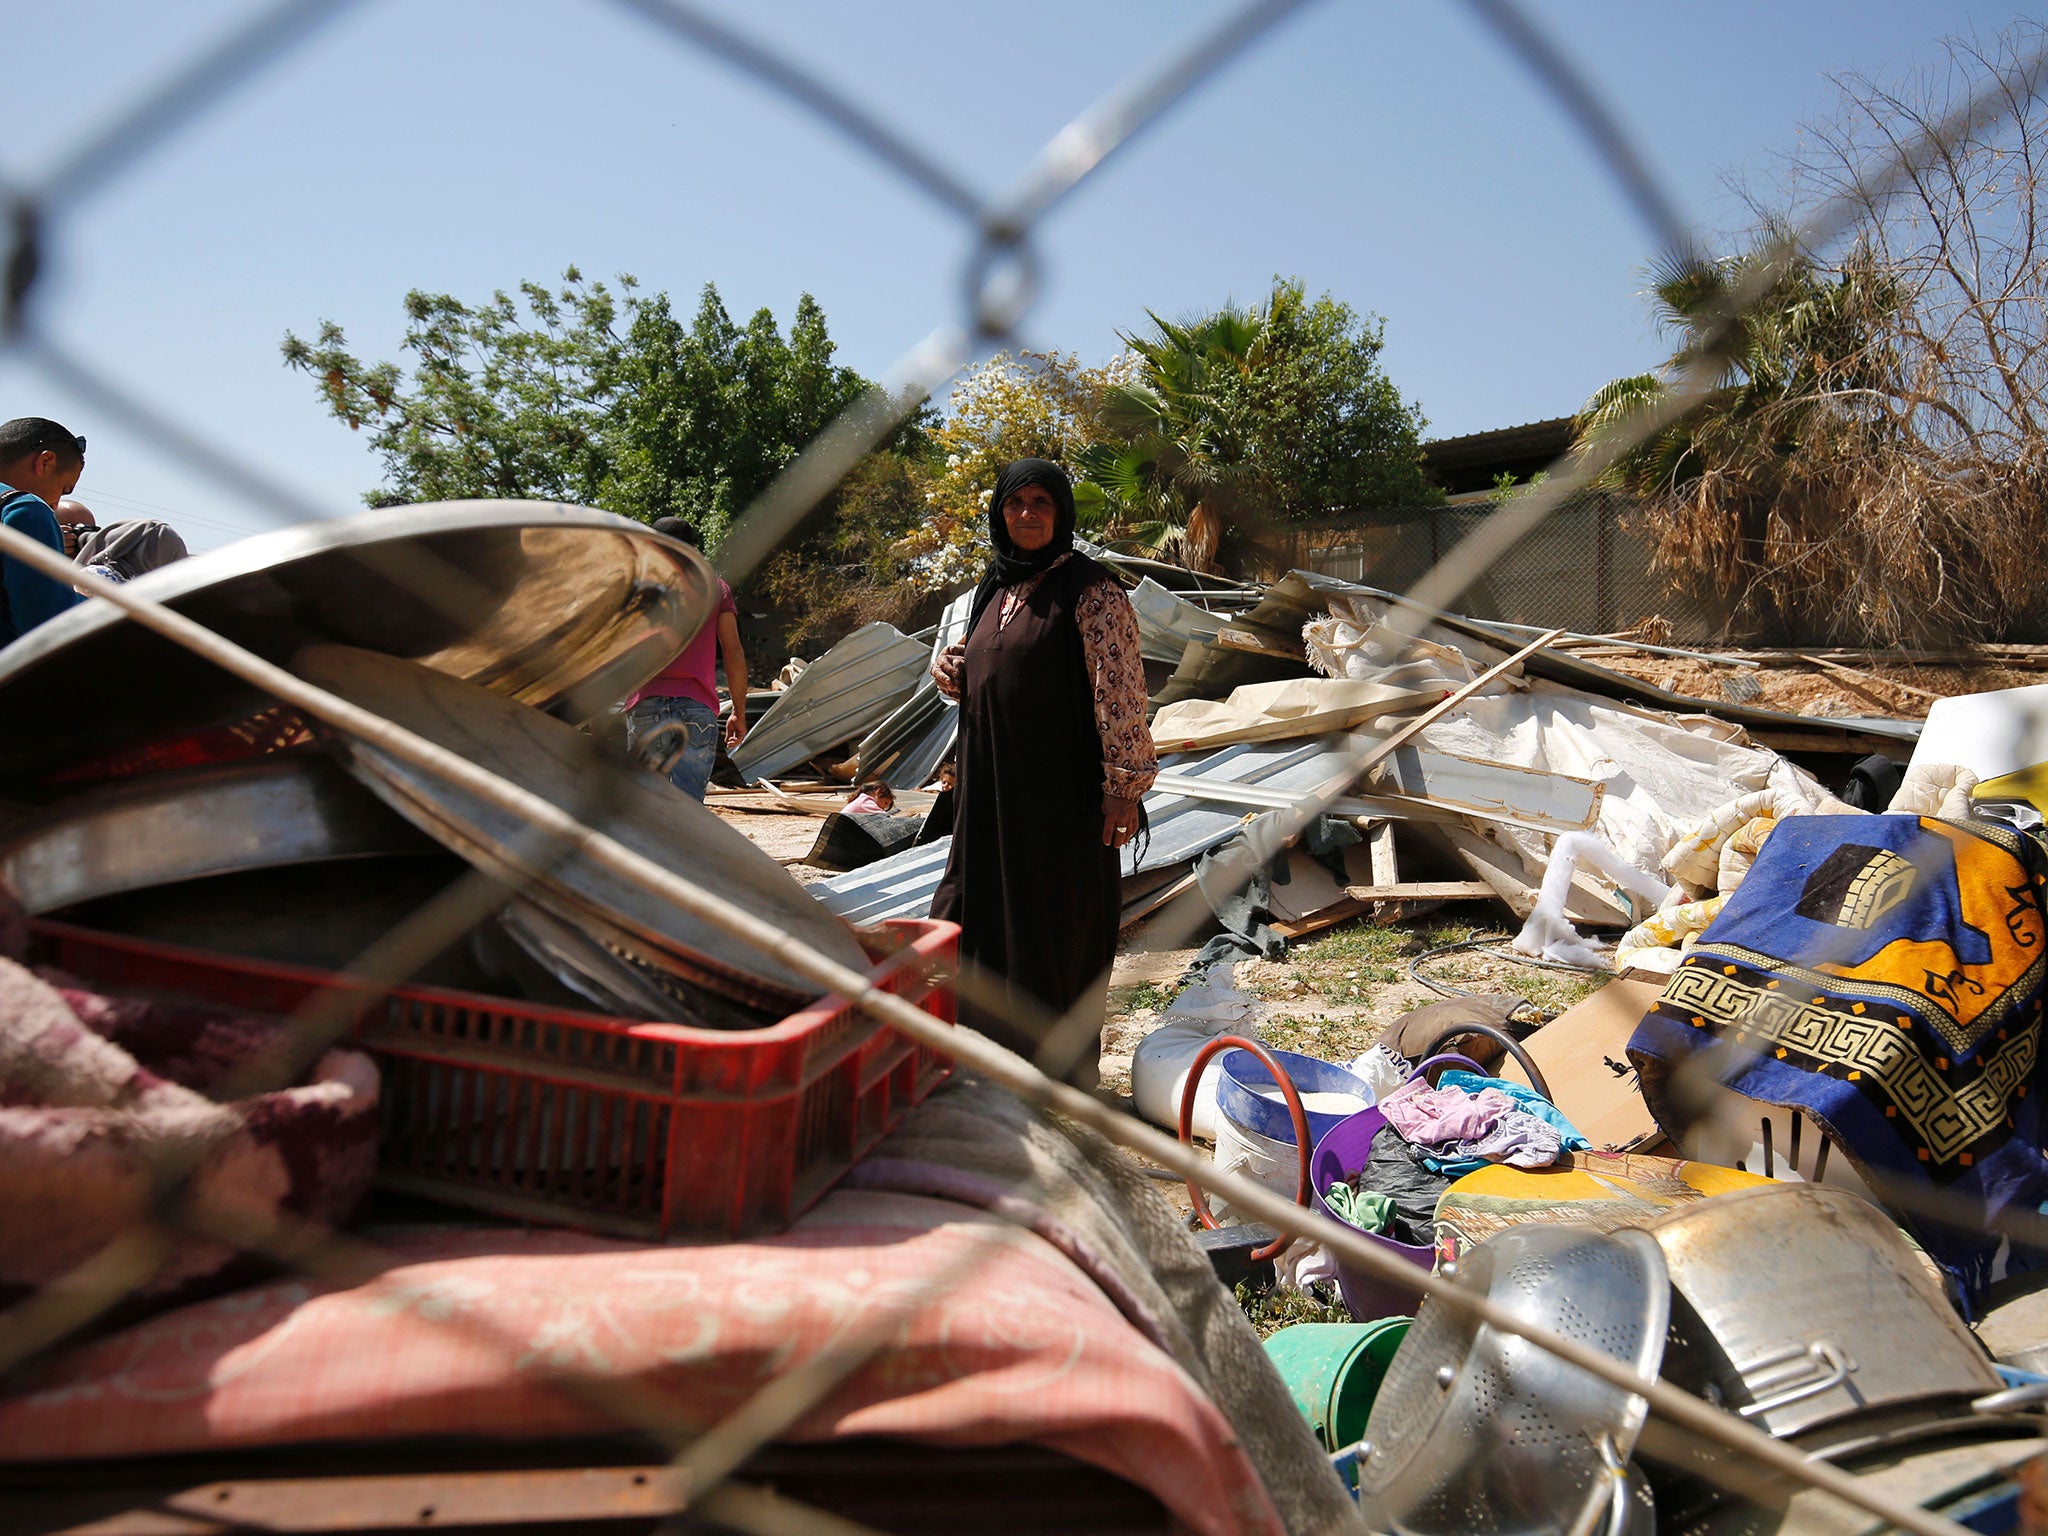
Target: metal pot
1796, 1305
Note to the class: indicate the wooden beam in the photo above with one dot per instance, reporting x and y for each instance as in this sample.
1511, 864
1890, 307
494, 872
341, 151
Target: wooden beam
1386, 867
1251, 643
1423, 890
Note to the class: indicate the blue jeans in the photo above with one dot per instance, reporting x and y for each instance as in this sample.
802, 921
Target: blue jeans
692, 771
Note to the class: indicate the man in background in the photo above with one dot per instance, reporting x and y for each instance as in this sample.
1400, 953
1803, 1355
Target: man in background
40, 463
686, 690
120, 551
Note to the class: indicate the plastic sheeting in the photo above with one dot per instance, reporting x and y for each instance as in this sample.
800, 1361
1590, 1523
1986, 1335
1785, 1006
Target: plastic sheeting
1663, 773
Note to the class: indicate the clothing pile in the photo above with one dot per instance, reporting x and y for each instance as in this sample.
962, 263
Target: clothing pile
1435, 1136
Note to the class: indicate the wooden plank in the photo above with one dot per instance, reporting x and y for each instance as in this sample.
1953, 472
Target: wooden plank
1147, 904
1503, 872
1328, 917
1386, 867
1422, 890
1251, 643
1385, 906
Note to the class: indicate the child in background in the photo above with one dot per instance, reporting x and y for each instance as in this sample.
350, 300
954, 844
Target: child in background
875, 799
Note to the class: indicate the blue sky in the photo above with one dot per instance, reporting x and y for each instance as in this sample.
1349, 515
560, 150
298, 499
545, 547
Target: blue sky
1392, 155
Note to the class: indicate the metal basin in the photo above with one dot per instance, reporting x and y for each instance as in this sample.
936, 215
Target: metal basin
1798, 1304
565, 768
564, 608
290, 809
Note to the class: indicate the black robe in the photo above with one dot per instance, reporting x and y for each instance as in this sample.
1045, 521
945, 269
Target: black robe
1029, 881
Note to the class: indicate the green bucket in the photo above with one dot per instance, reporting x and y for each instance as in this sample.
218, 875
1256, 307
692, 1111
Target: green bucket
1333, 1372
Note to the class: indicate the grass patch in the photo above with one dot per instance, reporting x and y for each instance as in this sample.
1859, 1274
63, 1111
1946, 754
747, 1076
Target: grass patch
1146, 995
1345, 963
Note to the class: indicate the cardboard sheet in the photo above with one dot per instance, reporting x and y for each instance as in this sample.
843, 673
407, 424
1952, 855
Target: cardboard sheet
1577, 1053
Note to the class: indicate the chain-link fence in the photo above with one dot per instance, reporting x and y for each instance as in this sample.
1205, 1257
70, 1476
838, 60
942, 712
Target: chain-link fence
1586, 569
1528, 560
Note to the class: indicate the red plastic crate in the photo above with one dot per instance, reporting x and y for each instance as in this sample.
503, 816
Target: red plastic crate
638, 1130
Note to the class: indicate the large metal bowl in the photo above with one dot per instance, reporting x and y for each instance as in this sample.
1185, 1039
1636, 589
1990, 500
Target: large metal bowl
565, 768
564, 608
1796, 1305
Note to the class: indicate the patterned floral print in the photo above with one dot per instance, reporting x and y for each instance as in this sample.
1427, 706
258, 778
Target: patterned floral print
1109, 639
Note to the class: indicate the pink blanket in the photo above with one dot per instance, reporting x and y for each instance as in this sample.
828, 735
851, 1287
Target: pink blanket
1026, 1349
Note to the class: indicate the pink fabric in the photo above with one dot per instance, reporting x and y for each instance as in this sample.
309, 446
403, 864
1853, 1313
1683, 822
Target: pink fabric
465, 1334
95, 1089
1430, 1116
865, 805
694, 673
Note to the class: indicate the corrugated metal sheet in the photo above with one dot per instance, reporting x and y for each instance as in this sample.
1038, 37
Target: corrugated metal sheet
905, 750
1182, 826
842, 695
1167, 624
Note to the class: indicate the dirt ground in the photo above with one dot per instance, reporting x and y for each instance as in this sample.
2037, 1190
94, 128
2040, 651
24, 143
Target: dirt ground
1335, 992
786, 839
1812, 690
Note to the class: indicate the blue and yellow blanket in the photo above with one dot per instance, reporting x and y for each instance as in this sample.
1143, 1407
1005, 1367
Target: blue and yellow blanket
1885, 976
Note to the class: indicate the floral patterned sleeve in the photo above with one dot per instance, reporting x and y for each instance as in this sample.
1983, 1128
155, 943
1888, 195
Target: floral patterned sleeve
1109, 641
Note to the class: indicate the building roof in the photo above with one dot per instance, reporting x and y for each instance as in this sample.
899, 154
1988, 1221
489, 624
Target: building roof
1473, 462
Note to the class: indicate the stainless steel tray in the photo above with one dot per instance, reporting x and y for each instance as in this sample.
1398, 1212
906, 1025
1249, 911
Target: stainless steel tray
564, 767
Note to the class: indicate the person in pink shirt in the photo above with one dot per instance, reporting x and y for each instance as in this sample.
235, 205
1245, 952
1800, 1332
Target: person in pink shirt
875, 799
686, 690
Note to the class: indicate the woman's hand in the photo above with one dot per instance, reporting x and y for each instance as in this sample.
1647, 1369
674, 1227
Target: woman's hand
1119, 821
950, 670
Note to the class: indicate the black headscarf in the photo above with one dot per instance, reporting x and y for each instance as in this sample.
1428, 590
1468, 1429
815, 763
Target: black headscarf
1011, 564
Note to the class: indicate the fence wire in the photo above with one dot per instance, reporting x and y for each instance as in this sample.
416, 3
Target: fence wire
999, 281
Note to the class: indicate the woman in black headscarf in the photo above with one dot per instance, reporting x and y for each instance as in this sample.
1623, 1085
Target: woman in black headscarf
1054, 756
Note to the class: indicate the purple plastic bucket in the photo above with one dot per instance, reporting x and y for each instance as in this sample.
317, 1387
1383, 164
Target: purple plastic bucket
1343, 1151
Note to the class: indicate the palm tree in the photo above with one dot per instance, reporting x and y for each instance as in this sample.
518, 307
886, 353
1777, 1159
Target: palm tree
1179, 463
1800, 377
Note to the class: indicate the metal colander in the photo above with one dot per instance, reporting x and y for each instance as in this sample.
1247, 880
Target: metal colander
1478, 1433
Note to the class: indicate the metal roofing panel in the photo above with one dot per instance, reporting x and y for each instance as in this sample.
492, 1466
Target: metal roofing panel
1182, 826
841, 695
1167, 623
905, 749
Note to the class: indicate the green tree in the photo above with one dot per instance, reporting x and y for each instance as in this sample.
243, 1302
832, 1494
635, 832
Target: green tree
576, 394
861, 563
1276, 414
